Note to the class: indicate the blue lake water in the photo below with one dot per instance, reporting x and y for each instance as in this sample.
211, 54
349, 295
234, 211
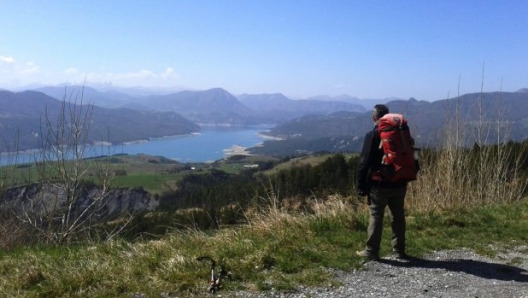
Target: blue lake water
209, 145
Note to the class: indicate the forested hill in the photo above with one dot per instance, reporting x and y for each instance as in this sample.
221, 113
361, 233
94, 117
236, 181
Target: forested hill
23, 121
489, 116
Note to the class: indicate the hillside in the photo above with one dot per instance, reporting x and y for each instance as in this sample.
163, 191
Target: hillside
280, 108
366, 103
22, 121
495, 116
214, 106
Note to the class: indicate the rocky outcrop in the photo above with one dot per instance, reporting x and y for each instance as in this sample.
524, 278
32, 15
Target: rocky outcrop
43, 198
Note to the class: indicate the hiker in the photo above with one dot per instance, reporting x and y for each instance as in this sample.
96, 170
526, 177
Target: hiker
380, 194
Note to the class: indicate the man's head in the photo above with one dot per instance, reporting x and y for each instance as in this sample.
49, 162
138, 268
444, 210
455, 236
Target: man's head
379, 111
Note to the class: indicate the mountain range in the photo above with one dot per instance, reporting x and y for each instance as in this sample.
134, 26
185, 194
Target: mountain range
320, 123
122, 117
217, 106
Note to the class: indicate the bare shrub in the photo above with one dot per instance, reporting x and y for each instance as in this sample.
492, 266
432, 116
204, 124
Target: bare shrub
471, 167
61, 211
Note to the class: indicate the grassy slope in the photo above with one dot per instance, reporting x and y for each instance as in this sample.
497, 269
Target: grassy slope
311, 160
275, 250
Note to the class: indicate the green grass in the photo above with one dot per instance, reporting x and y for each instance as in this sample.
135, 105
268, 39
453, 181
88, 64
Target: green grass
274, 250
150, 182
312, 160
472, 227
153, 173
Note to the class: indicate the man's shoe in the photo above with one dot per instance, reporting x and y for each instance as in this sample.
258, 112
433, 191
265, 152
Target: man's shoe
365, 254
402, 256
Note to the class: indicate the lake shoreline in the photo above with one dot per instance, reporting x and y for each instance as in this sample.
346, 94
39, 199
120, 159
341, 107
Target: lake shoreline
207, 145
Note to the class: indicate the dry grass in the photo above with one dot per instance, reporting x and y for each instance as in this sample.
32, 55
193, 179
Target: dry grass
466, 170
456, 178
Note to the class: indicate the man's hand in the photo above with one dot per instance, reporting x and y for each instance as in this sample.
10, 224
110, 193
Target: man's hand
362, 193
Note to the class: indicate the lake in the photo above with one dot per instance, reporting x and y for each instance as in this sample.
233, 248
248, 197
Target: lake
209, 145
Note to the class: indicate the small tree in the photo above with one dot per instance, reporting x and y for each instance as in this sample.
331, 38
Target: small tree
63, 210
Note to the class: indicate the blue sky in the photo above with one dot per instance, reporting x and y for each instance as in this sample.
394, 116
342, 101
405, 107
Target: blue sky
425, 49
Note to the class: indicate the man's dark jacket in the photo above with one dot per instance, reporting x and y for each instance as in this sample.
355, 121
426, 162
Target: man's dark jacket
370, 162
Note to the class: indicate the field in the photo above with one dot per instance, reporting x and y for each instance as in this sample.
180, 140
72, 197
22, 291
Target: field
311, 160
152, 173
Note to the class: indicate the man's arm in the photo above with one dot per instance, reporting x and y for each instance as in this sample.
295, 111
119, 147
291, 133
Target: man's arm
363, 184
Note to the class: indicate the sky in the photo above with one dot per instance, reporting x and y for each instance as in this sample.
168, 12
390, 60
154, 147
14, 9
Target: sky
371, 49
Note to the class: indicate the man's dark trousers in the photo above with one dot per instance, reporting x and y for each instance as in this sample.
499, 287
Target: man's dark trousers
379, 199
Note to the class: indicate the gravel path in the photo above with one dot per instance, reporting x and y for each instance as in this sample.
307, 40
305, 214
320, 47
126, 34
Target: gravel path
459, 273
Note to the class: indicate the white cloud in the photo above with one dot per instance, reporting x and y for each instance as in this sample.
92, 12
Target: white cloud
168, 73
143, 77
15, 74
142, 74
8, 60
30, 68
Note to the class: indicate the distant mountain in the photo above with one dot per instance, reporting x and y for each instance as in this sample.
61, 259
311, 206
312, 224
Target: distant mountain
218, 107
367, 104
214, 106
279, 102
266, 102
22, 116
319, 126
486, 112
278, 107
108, 99
343, 97
137, 91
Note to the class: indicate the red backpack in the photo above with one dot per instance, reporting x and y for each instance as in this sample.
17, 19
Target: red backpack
398, 162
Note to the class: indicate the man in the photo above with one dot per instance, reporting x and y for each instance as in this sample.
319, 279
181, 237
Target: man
380, 194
